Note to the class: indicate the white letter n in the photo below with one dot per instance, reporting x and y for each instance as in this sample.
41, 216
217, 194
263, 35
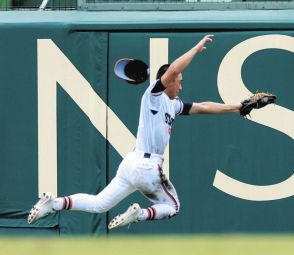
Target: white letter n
53, 67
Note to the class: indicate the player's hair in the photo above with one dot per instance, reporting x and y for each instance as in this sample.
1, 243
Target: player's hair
162, 70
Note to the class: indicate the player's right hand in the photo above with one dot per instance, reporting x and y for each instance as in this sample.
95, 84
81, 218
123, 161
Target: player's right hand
201, 44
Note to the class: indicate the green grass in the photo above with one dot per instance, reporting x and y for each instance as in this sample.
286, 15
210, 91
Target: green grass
151, 245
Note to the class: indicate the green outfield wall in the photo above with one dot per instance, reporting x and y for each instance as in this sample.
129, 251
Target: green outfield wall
67, 121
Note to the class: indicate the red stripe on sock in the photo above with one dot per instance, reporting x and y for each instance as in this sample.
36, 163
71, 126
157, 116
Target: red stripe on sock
64, 203
70, 203
154, 213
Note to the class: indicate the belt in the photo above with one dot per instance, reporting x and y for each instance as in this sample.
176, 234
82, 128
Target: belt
147, 154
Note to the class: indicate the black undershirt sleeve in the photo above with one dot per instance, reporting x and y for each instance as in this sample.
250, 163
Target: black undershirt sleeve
186, 108
158, 87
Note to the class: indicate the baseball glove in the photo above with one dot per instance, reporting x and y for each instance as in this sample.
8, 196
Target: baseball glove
256, 101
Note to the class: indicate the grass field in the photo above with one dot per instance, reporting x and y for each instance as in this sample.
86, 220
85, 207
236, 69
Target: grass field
141, 245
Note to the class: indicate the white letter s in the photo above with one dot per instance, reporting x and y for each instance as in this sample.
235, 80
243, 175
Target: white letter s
232, 90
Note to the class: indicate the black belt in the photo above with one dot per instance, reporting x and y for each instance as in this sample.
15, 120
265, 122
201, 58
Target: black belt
147, 155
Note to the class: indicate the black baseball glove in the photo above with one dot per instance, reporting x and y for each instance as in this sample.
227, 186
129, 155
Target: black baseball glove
256, 101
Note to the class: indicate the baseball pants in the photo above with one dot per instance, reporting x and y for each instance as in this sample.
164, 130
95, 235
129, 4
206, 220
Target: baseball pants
138, 171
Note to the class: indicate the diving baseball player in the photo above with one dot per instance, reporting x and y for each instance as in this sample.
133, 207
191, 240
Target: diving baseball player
141, 168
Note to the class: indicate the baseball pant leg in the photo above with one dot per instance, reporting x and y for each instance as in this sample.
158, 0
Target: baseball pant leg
110, 196
149, 179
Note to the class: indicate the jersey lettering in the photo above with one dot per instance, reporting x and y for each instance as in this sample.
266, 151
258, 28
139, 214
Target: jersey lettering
168, 119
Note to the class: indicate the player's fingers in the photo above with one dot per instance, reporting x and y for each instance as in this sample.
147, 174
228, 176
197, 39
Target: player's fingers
209, 38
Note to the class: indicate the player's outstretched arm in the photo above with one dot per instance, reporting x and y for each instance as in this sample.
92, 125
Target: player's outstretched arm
214, 108
183, 61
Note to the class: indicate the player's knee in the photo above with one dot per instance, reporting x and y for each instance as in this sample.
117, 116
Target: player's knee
175, 211
99, 209
173, 214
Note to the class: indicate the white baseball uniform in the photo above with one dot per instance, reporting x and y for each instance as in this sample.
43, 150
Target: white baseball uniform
141, 169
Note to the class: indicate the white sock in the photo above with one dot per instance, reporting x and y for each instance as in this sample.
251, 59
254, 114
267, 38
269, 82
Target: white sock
157, 212
58, 204
143, 215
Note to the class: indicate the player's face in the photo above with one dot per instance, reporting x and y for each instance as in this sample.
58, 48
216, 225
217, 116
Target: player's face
176, 87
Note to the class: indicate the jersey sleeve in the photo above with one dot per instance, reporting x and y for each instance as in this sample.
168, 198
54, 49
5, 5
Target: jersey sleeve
181, 108
178, 105
152, 97
156, 88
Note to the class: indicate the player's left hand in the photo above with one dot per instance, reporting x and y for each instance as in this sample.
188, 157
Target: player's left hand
256, 101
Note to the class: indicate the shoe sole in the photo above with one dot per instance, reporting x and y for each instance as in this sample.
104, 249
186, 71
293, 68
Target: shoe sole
119, 220
35, 211
32, 216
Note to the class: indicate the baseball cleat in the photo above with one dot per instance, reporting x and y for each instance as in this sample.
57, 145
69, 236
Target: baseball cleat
42, 208
130, 216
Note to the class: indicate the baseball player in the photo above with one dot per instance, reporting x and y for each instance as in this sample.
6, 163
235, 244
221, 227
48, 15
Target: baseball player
141, 168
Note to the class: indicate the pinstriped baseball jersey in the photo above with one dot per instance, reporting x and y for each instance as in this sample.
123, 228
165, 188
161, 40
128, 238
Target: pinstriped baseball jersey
157, 113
